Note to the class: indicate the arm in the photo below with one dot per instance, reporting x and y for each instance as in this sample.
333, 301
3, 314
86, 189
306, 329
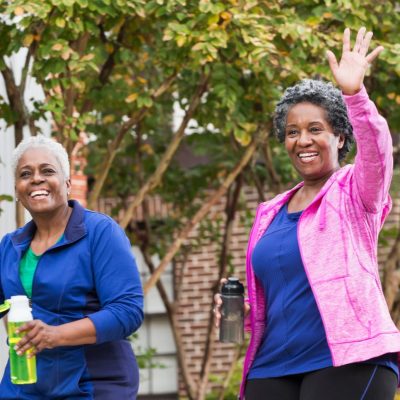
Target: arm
373, 167
41, 336
117, 282
373, 163
120, 294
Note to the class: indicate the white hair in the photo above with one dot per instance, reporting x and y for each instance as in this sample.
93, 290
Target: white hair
40, 141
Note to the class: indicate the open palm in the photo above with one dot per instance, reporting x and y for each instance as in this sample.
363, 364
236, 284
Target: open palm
350, 71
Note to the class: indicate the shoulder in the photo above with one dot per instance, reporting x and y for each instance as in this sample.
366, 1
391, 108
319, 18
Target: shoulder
100, 226
95, 219
6, 239
343, 177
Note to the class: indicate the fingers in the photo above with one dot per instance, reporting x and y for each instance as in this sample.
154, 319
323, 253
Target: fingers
26, 327
333, 64
38, 337
362, 44
365, 43
359, 39
246, 309
346, 40
375, 53
217, 309
30, 339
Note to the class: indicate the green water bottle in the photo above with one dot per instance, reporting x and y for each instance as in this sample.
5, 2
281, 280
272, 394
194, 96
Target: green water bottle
22, 368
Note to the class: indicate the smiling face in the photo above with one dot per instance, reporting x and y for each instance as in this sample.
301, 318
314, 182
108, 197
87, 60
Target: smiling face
40, 183
310, 142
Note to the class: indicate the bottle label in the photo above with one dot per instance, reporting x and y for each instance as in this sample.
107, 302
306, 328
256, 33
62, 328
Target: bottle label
22, 368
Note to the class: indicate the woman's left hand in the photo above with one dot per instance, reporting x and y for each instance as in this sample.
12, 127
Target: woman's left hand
39, 336
350, 71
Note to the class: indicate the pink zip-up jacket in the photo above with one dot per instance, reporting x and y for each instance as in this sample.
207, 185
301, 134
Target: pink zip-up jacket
337, 235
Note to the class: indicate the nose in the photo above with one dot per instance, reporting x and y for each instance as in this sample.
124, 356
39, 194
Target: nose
37, 177
304, 139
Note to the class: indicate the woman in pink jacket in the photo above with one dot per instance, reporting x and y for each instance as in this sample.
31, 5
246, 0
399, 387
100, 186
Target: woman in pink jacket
320, 327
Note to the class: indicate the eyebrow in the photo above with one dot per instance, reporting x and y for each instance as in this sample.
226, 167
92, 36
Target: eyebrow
40, 166
310, 123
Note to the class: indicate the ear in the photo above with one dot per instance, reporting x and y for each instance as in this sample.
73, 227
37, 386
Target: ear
68, 182
341, 141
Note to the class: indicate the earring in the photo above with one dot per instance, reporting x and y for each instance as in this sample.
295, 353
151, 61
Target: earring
16, 198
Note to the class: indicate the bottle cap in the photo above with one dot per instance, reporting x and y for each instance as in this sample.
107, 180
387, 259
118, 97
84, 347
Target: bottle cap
20, 300
232, 287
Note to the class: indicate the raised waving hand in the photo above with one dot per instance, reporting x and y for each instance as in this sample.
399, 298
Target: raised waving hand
349, 72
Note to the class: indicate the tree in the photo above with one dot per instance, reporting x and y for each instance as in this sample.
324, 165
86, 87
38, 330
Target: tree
116, 70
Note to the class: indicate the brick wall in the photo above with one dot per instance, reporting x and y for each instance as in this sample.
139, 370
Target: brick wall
78, 161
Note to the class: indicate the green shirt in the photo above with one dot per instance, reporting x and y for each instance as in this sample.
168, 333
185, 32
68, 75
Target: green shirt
27, 268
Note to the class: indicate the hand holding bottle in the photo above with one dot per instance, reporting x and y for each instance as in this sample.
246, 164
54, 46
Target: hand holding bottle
39, 336
230, 310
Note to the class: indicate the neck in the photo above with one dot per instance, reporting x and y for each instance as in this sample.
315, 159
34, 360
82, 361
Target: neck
314, 185
52, 225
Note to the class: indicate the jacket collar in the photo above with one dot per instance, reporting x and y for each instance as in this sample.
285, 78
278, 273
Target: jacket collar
283, 198
74, 230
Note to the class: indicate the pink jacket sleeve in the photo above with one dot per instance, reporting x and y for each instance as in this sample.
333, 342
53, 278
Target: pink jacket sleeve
374, 160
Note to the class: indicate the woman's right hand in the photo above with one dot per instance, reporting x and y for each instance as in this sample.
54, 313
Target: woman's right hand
349, 72
218, 305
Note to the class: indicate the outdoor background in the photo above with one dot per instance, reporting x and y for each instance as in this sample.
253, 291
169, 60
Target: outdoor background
165, 107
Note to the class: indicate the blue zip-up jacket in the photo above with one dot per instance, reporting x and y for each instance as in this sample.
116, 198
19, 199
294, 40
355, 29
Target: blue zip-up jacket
90, 272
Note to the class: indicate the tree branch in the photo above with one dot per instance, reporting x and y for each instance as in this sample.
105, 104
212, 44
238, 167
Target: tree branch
257, 183
204, 209
114, 145
108, 66
155, 179
275, 179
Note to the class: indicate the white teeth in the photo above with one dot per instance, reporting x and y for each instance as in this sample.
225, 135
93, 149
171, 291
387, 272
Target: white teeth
304, 155
39, 193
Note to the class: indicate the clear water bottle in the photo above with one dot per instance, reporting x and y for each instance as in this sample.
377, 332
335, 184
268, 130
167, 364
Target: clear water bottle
22, 368
232, 312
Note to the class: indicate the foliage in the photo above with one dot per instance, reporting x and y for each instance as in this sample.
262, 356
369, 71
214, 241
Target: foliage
145, 357
5, 197
232, 387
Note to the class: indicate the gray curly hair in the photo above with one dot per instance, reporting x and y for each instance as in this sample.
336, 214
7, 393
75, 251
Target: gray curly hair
322, 94
41, 141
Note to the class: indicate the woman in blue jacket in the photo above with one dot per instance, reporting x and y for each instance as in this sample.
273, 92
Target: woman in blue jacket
77, 268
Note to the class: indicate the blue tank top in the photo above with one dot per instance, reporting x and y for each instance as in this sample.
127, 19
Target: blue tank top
294, 340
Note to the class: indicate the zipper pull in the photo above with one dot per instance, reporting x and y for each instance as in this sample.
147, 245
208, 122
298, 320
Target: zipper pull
5, 306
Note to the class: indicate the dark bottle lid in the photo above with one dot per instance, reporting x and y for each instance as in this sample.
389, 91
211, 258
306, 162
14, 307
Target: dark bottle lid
232, 287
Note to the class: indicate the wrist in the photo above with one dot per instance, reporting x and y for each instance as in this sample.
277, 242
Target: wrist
59, 339
351, 91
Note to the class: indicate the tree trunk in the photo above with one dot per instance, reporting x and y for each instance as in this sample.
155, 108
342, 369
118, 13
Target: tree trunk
214, 198
170, 307
231, 205
274, 178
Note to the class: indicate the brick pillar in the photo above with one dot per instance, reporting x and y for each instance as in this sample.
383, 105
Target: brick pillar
79, 187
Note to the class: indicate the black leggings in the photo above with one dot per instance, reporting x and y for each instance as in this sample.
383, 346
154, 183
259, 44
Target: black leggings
349, 382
